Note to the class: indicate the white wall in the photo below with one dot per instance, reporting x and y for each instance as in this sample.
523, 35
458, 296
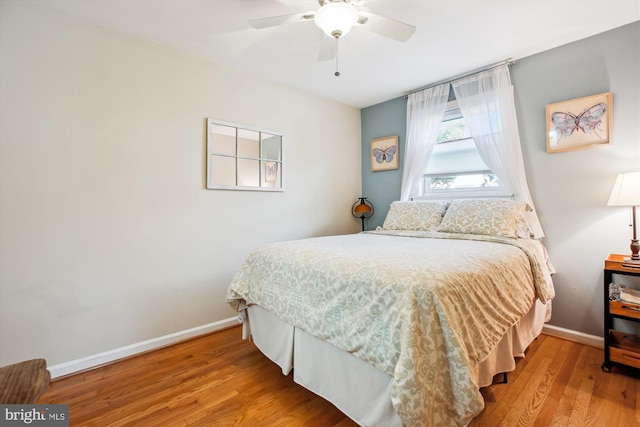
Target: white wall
107, 235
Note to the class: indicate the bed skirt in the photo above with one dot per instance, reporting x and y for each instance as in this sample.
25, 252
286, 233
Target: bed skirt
355, 387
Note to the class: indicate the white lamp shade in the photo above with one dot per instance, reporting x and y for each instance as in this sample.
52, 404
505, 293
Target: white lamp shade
335, 19
626, 190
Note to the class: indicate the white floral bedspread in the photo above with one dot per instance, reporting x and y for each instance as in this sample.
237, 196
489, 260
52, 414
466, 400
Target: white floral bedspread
423, 307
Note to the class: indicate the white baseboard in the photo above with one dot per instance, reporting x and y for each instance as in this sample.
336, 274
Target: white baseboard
571, 335
100, 359
95, 360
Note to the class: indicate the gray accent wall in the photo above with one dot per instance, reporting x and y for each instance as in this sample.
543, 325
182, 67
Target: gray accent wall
382, 187
570, 189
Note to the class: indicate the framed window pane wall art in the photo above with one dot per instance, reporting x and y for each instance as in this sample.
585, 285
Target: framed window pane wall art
579, 123
241, 157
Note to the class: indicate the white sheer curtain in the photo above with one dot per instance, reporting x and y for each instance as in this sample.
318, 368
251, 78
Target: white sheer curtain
487, 105
425, 110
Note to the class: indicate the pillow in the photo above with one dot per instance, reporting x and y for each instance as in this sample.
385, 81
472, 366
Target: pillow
494, 217
419, 216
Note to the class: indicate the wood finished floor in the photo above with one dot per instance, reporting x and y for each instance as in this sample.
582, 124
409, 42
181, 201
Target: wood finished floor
221, 380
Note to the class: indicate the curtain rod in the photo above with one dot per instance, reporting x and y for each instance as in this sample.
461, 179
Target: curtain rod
509, 62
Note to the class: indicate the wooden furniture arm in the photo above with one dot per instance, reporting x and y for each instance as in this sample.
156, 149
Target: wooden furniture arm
24, 382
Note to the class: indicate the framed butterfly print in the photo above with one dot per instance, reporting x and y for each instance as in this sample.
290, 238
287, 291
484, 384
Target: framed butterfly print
579, 123
384, 153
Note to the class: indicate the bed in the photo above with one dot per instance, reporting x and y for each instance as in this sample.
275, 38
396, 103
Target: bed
404, 324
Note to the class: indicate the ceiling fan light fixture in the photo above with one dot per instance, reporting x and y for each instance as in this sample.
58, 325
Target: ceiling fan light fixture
336, 18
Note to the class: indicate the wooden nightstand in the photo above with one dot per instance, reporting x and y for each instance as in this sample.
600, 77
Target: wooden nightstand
619, 347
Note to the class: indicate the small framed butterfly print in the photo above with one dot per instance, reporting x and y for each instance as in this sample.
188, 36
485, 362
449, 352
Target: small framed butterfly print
579, 123
384, 153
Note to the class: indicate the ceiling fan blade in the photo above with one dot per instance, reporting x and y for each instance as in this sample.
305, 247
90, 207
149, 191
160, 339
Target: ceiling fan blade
274, 21
328, 48
386, 27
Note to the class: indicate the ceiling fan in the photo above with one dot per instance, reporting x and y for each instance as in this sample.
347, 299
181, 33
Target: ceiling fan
336, 18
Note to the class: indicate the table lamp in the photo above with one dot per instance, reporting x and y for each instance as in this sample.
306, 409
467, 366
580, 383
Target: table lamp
626, 192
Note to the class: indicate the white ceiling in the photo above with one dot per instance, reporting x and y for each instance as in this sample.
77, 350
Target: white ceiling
452, 37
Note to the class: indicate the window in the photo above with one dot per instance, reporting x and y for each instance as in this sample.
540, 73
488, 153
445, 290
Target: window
243, 158
455, 167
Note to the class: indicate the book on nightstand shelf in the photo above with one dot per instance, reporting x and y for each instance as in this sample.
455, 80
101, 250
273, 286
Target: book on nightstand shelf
630, 295
623, 294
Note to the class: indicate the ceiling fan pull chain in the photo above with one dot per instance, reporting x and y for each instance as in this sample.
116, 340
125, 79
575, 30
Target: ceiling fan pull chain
337, 73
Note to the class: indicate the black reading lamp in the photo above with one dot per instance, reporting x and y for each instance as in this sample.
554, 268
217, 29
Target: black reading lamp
362, 209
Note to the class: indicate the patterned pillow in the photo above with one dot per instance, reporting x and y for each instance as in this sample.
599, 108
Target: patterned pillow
494, 217
420, 216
